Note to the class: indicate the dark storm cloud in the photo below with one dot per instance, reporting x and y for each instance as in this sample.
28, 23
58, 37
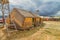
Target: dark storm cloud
49, 8
45, 7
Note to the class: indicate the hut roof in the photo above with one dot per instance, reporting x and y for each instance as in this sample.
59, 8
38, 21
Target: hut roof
35, 15
24, 12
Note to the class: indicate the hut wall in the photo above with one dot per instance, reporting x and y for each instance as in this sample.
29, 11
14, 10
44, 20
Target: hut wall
41, 20
27, 22
19, 18
36, 21
16, 17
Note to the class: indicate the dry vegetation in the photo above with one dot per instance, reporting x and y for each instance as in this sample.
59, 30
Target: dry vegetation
51, 31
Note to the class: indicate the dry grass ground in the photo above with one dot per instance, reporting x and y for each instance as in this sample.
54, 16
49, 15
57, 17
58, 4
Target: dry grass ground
51, 31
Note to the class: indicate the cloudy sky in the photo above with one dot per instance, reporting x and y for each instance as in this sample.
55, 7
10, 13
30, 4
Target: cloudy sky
45, 7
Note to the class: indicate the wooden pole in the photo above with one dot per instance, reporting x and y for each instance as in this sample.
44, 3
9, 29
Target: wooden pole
3, 15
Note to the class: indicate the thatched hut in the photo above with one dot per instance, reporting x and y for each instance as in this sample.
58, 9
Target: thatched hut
23, 19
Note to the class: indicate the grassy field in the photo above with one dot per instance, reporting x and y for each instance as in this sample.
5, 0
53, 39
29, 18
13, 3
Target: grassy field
53, 29
19, 34
50, 30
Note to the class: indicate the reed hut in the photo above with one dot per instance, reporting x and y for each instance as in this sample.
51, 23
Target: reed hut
22, 18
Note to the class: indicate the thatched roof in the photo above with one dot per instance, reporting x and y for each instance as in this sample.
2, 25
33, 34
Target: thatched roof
24, 12
35, 15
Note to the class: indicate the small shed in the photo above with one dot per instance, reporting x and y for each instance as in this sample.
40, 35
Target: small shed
22, 18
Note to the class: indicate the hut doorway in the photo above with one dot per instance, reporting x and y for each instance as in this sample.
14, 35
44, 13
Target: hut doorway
34, 22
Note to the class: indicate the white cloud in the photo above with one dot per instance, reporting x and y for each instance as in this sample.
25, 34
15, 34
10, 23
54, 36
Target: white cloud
44, 1
29, 4
25, 3
58, 13
21, 2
